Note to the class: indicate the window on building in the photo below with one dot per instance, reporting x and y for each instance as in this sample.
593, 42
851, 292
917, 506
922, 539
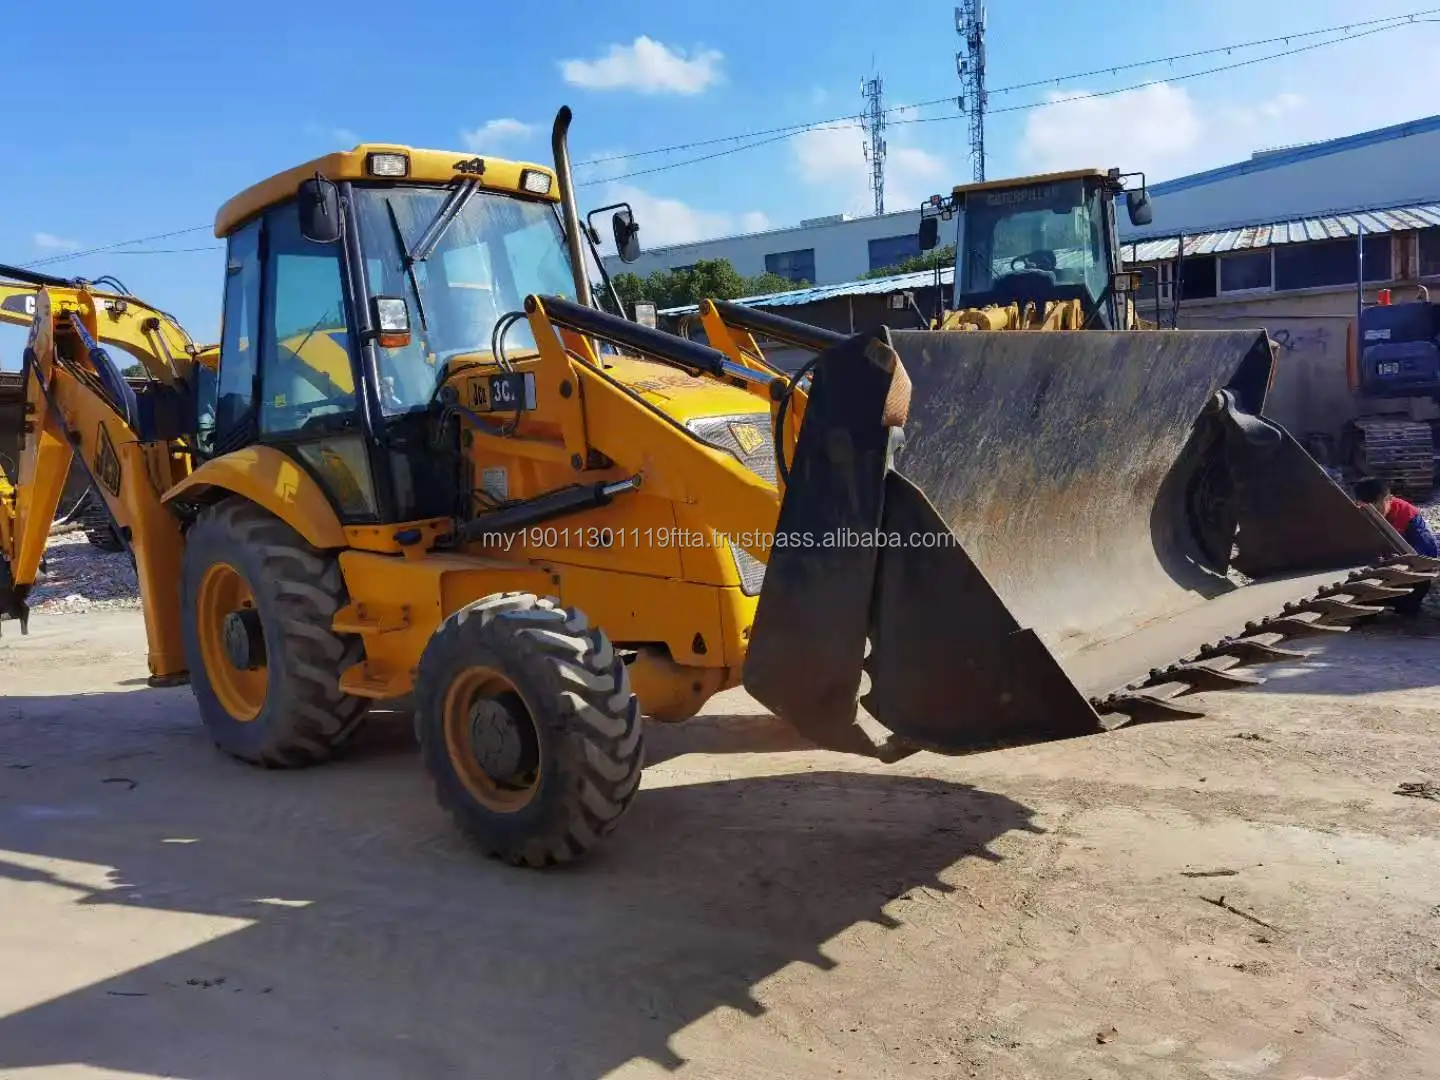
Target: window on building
1429, 244
1330, 262
794, 266
890, 251
1197, 278
1245, 270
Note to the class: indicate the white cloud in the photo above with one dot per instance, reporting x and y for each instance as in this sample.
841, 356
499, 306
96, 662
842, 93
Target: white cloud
666, 221
1159, 128
648, 66
50, 242
832, 161
494, 133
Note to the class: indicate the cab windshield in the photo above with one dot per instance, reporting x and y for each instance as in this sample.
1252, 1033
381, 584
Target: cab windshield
497, 251
1055, 230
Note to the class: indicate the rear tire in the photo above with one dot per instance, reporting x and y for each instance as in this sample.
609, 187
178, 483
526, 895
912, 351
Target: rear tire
290, 711
528, 728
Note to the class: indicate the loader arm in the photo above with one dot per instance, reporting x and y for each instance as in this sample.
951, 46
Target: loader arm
77, 407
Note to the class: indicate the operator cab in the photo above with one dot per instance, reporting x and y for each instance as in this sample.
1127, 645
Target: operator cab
1039, 239
354, 286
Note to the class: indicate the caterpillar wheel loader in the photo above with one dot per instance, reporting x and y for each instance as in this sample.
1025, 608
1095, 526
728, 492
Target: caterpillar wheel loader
1039, 252
542, 520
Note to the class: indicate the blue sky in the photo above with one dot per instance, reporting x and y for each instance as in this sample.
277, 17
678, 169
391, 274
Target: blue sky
147, 123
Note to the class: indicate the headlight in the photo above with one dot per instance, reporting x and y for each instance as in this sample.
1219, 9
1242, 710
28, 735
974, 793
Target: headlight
537, 183
387, 164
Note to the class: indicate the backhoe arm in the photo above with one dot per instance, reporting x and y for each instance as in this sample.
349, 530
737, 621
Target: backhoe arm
78, 407
161, 345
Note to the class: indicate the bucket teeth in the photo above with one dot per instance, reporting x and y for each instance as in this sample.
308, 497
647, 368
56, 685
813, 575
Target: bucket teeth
1420, 562
1146, 708
1398, 575
1200, 676
1333, 609
1295, 625
1364, 591
1259, 649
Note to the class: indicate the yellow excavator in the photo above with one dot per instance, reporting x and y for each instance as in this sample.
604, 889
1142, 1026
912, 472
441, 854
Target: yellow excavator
1039, 252
544, 524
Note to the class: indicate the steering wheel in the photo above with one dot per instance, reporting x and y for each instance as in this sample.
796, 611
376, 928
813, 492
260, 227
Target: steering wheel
1044, 259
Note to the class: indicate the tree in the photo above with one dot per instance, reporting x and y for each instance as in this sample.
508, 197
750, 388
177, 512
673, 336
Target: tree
713, 279
926, 260
134, 371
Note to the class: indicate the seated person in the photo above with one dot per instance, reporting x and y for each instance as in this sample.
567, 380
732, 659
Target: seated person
1406, 519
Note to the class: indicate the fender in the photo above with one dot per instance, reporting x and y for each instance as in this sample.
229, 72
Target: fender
272, 480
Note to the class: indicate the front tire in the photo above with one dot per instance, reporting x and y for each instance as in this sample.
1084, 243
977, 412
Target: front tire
256, 606
528, 728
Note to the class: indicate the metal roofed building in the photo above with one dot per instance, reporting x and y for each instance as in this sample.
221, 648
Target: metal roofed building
1396, 166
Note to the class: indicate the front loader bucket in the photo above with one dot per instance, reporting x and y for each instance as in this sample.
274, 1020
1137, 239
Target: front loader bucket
1076, 524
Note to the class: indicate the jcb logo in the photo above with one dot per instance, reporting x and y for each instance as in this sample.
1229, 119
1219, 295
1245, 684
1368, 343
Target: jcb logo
748, 437
107, 462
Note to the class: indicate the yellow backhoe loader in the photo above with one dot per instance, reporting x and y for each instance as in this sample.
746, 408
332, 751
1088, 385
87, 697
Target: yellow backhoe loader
543, 524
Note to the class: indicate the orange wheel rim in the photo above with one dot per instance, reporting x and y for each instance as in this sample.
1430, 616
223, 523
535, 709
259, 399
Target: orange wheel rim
241, 692
487, 723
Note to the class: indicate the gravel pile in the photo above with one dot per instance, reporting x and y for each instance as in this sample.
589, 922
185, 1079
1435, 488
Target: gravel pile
80, 577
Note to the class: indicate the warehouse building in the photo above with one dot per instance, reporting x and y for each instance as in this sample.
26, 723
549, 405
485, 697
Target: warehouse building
1390, 167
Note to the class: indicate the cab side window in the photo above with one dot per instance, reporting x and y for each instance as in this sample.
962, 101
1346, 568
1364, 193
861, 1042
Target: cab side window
233, 422
306, 369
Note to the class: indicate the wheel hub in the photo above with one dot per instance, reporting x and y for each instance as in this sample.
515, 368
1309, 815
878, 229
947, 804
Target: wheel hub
502, 739
244, 639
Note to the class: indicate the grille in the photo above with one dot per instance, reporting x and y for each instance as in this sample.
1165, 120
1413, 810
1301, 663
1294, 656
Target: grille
752, 571
720, 432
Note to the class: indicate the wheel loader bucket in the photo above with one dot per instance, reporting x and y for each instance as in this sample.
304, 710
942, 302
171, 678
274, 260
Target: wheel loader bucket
1075, 526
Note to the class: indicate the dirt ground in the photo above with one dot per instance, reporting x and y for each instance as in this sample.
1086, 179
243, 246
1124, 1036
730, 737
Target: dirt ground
1240, 896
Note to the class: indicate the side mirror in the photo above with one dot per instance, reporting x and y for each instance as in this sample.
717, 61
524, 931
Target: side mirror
319, 202
929, 233
1137, 203
627, 235
391, 316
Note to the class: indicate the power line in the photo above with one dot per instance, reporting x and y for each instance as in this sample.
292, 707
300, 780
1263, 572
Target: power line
111, 247
850, 122
1207, 71
1399, 20
171, 251
1395, 21
840, 123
